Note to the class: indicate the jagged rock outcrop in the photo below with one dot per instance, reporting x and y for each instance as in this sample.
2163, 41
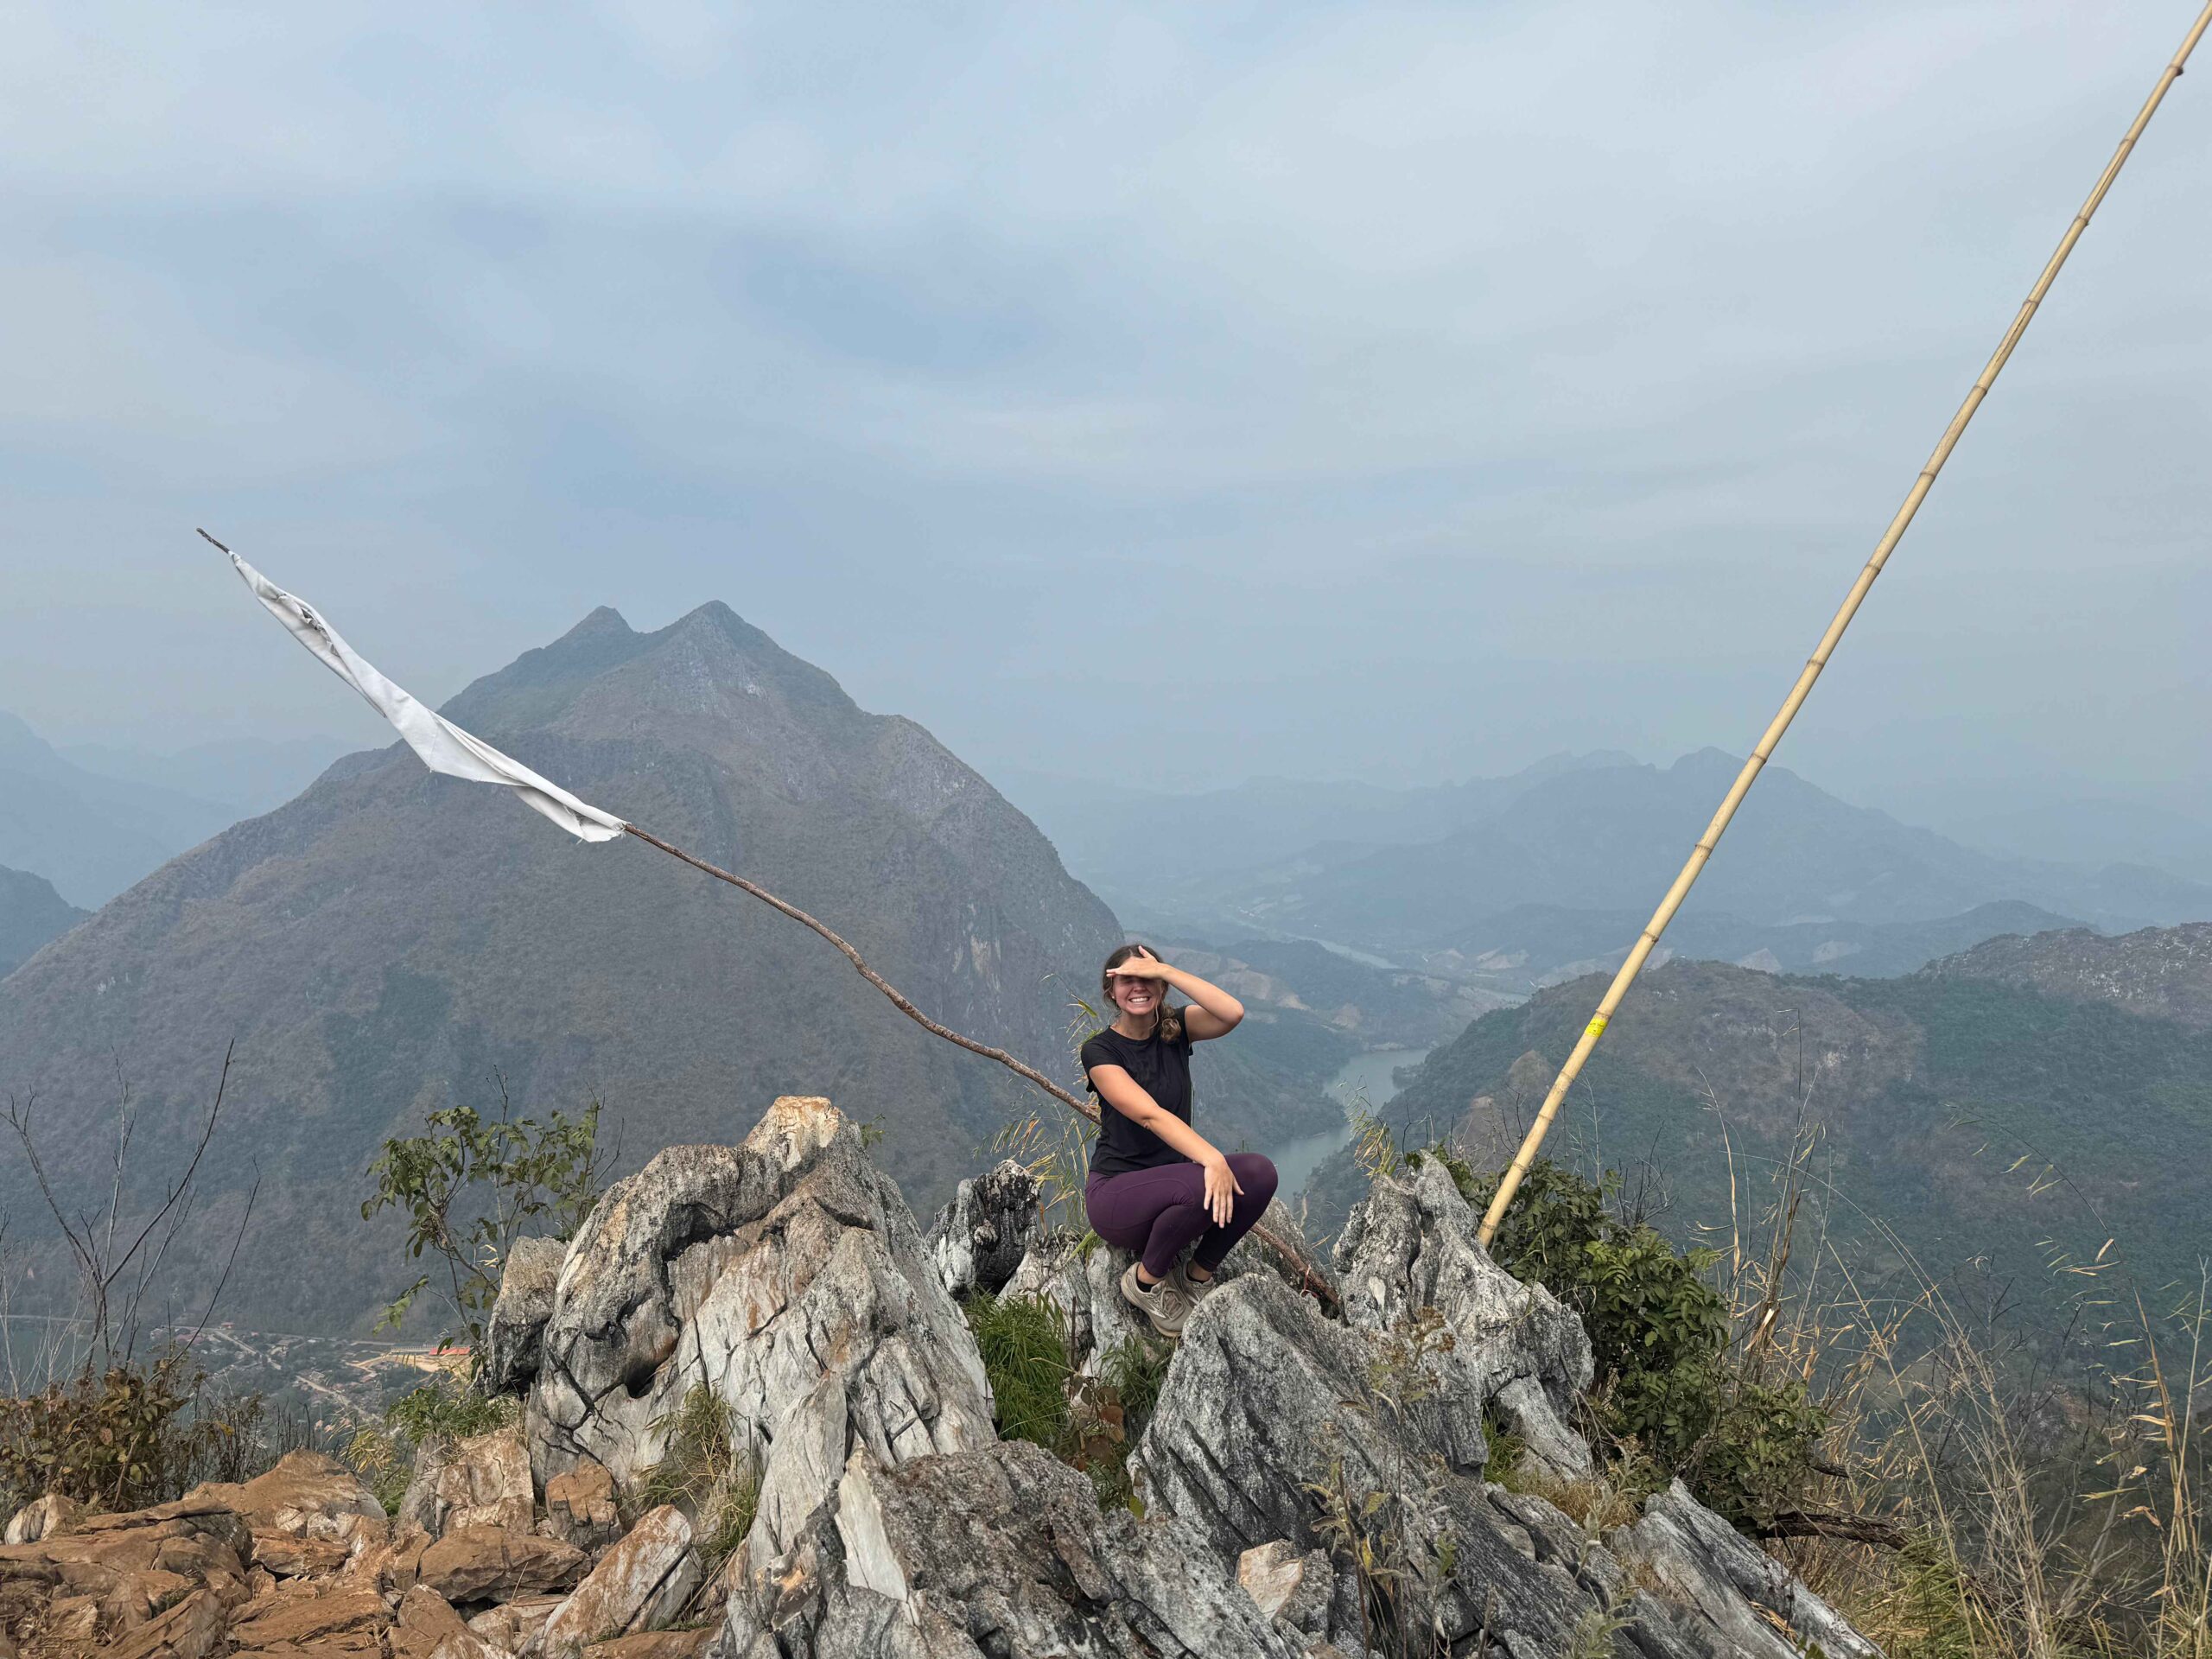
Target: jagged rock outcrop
786, 1277
1514, 1347
987, 1231
1002, 1551
763, 1274
1277, 1426
1710, 1566
483, 1481
642, 1584
515, 1331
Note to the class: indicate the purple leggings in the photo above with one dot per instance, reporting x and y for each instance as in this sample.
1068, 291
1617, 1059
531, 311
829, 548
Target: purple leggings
1158, 1211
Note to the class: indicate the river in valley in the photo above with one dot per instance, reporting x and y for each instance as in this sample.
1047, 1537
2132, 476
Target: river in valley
1363, 1081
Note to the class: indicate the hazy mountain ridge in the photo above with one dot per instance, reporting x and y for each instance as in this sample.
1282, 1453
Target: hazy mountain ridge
389, 940
1420, 875
31, 914
90, 835
244, 776
1536, 945
1610, 838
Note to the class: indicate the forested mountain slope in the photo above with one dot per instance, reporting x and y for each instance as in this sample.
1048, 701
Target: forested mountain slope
1987, 1126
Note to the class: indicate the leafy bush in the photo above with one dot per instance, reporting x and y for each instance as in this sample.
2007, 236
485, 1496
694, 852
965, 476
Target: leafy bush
140, 1433
473, 1186
1668, 1385
1087, 1422
445, 1408
1023, 1340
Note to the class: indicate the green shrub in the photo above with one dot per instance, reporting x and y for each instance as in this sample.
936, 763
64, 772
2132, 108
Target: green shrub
447, 1409
1668, 1385
1087, 1422
140, 1433
1023, 1340
474, 1184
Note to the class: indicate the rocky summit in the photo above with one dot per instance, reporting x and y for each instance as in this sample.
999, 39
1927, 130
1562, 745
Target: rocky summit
784, 1280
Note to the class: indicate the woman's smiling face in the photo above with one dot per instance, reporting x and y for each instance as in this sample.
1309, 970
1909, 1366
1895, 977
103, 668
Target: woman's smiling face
1136, 997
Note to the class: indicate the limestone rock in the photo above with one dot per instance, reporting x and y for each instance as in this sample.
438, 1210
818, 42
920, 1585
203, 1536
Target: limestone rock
655, 1645
483, 1481
980, 1237
43, 1517
1287, 1586
283, 1555
1411, 1245
1707, 1563
428, 1628
580, 1508
644, 1582
473, 1563
1271, 1414
299, 1620
513, 1334
307, 1495
392, 1567
748, 1271
998, 1551
514, 1626
193, 1629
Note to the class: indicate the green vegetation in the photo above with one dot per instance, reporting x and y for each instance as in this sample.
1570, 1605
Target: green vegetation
1672, 1397
472, 1186
444, 1408
706, 1474
1969, 1130
1088, 1422
140, 1433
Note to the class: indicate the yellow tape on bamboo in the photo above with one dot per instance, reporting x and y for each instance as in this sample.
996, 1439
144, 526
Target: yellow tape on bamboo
1596, 1027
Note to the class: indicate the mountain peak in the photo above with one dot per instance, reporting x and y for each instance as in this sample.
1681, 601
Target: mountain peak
603, 623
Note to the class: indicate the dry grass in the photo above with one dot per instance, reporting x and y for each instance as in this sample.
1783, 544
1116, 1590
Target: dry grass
2046, 1511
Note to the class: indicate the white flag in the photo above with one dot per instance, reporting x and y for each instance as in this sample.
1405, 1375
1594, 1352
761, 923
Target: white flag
442, 745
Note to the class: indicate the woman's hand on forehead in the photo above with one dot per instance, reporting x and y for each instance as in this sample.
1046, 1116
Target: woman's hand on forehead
1143, 965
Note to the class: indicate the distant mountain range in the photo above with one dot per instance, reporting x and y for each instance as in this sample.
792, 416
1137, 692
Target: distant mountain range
31, 913
1536, 945
2023, 1102
90, 835
1551, 864
244, 776
390, 942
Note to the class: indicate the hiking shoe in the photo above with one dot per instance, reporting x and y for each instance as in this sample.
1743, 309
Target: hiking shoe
1195, 1290
1166, 1304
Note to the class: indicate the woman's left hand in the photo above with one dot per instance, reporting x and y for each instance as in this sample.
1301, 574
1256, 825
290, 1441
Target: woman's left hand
1143, 965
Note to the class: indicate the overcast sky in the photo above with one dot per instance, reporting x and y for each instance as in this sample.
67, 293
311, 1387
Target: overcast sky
1387, 391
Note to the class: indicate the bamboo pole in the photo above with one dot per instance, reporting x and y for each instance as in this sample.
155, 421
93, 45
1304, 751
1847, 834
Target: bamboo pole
1819, 661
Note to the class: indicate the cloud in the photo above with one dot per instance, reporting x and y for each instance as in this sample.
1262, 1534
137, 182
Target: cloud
1432, 384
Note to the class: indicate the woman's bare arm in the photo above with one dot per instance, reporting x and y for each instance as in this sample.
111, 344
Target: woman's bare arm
1132, 1101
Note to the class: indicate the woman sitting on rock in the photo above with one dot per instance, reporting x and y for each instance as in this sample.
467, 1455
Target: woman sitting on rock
1157, 1185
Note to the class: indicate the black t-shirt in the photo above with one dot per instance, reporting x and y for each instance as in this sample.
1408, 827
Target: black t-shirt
1162, 1070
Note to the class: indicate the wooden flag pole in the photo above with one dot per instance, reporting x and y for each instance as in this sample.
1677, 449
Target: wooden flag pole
1819, 659
1295, 1259
898, 999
